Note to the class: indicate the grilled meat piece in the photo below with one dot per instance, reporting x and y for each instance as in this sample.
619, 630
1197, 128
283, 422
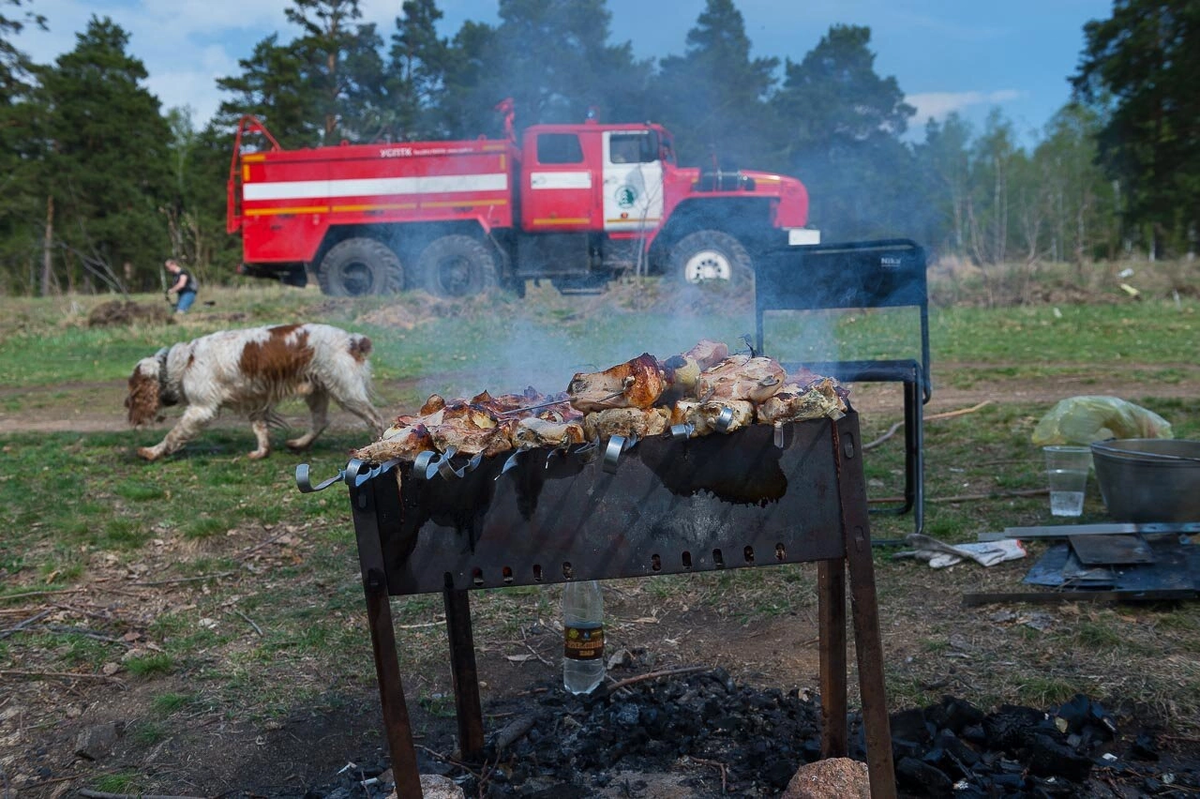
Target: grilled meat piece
634, 384
432, 405
741, 378
682, 371
626, 422
703, 415
707, 354
470, 429
537, 432
796, 402
403, 442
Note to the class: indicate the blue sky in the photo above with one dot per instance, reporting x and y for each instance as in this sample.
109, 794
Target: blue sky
963, 55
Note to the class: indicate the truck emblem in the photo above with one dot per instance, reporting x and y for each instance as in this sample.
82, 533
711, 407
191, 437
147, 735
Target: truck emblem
626, 196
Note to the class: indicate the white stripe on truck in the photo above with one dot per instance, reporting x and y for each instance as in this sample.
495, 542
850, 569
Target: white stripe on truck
560, 180
366, 187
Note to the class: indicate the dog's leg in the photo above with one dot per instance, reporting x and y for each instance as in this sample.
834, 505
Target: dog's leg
261, 432
318, 406
188, 427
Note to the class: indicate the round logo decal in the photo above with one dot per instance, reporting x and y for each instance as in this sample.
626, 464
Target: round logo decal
626, 196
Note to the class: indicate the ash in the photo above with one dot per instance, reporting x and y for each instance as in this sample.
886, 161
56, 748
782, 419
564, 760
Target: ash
703, 735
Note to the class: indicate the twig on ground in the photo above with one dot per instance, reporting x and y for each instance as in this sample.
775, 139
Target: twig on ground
947, 415
102, 795
7, 597
1027, 492
61, 628
20, 625
654, 675
62, 675
713, 763
213, 576
447, 759
249, 621
525, 641
248, 552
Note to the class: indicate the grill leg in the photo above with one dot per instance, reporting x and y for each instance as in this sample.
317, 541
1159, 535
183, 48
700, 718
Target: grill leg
831, 600
466, 678
391, 690
868, 646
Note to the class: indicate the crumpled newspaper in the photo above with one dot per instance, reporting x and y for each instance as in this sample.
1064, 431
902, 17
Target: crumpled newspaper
940, 554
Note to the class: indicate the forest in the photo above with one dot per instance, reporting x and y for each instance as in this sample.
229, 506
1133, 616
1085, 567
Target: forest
101, 182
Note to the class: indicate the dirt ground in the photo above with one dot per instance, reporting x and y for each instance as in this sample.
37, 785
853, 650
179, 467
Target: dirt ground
215, 755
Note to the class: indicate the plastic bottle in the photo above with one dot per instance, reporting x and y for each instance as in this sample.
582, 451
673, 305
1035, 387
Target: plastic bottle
583, 636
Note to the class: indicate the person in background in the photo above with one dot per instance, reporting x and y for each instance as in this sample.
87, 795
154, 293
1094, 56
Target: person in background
184, 285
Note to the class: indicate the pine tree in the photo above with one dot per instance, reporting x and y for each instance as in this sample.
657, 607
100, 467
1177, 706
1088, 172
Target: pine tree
106, 165
1139, 67
714, 96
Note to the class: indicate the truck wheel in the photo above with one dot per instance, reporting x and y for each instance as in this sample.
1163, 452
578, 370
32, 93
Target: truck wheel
356, 267
710, 257
457, 266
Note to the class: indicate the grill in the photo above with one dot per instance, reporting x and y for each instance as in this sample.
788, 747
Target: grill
758, 496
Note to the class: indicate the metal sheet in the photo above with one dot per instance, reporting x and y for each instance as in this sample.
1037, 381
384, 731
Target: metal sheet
1176, 567
1064, 530
1097, 550
670, 507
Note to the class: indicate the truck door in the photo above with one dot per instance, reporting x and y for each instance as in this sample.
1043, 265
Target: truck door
633, 180
558, 191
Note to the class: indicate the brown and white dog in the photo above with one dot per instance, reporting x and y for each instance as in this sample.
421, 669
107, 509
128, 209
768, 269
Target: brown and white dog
250, 371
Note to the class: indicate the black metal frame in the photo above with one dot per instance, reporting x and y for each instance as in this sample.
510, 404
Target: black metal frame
869, 274
668, 507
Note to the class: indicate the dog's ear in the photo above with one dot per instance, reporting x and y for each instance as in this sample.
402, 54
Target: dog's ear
143, 400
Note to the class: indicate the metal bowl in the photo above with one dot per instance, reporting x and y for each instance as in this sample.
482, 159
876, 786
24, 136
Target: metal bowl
1149, 479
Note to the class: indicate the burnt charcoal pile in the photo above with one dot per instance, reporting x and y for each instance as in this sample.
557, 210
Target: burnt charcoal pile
718, 738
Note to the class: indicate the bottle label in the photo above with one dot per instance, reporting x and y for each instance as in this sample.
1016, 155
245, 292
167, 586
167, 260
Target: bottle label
583, 642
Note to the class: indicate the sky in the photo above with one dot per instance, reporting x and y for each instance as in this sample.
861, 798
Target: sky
967, 56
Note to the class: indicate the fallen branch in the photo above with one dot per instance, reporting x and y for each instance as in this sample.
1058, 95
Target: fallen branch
947, 415
654, 675
7, 597
215, 576
249, 621
102, 795
1027, 492
19, 625
62, 675
714, 764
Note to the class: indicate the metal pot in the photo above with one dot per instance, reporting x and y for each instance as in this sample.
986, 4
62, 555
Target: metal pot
1149, 479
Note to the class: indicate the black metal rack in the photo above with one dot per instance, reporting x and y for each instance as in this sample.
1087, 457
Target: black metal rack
888, 273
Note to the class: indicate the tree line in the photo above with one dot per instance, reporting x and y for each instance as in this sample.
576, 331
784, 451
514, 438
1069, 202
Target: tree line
101, 183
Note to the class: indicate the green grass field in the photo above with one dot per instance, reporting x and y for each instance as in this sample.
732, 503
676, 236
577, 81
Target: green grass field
241, 596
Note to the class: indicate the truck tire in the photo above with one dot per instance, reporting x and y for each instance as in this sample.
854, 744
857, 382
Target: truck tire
360, 266
709, 257
457, 266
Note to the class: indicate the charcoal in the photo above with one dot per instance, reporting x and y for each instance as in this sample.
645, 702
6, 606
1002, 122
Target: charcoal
1145, 747
1049, 758
930, 780
953, 714
910, 725
1007, 727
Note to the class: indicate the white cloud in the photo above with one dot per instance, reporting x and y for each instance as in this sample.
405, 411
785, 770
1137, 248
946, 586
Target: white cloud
939, 104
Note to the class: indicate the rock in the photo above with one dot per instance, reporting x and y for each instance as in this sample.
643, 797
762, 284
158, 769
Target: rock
97, 741
835, 776
435, 786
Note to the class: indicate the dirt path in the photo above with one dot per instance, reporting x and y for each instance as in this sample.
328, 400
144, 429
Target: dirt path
97, 407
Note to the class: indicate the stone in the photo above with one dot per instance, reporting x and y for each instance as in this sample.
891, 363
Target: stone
94, 742
834, 776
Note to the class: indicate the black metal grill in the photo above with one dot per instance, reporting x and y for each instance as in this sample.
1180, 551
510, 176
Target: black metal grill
757, 496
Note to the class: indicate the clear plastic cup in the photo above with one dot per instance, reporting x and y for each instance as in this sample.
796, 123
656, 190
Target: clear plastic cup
1067, 472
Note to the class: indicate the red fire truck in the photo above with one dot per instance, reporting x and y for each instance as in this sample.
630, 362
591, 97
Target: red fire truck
573, 204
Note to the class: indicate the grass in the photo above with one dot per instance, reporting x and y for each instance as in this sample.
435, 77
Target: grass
241, 596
